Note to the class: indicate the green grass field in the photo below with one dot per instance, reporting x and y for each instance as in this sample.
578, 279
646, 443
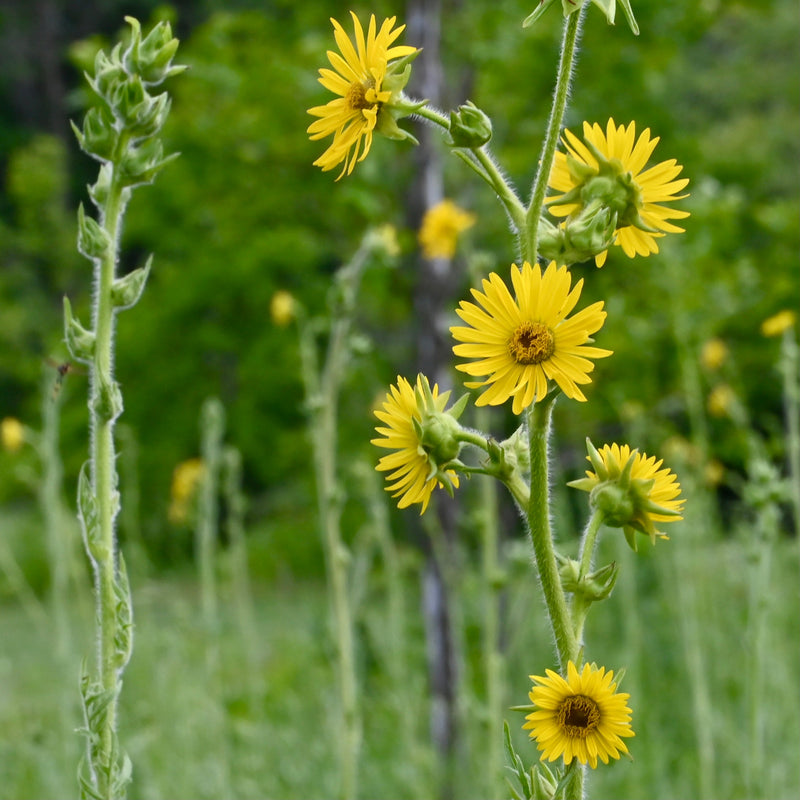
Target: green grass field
212, 714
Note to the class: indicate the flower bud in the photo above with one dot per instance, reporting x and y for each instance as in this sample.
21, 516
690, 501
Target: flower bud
98, 137
80, 342
93, 240
469, 127
126, 291
151, 57
581, 237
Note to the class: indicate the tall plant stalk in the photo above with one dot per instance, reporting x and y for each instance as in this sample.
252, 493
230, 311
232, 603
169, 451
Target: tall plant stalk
121, 131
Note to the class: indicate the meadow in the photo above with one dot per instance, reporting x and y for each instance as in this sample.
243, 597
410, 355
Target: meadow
206, 592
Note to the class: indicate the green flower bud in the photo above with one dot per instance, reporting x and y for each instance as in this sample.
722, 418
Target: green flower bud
98, 191
609, 8
93, 240
151, 57
108, 402
126, 291
80, 342
98, 137
469, 127
141, 163
108, 74
580, 237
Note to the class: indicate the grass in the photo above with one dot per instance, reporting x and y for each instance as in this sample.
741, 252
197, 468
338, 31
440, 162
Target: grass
205, 714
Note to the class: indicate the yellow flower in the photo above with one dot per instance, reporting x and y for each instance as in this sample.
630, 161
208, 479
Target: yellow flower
713, 354
778, 323
12, 434
282, 308
631, 490
359, 78
721, 401
186, 479
441, 227
416, 466
524, 342
582, 717
610, 167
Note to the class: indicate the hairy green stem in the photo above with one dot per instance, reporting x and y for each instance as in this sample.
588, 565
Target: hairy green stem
538, 515
569, 47
103, 472
580, 606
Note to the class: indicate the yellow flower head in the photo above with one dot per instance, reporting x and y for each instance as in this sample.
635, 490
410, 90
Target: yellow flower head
722, 401
282, 308
186, 479
423, 436
610, 166
12, 434
366, 84
631, 490
713, 354
778, 323
441, 227
524, 342
581, 717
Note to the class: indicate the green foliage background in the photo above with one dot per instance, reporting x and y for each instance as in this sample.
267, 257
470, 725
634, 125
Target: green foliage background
243, 213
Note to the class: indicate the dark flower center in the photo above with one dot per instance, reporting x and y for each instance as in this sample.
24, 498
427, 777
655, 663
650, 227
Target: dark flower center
357, 95
531, 343
578, 716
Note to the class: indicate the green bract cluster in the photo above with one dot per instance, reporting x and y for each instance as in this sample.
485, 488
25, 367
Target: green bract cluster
123, 127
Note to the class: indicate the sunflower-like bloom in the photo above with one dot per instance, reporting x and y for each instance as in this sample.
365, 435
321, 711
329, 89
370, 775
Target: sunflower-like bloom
631, 490
441, 227
778, 323
524, 342
610, 166
424, 437
366, 84
582, 717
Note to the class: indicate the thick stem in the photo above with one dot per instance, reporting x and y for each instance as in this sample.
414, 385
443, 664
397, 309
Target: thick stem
103, 473
569, 47
538, 513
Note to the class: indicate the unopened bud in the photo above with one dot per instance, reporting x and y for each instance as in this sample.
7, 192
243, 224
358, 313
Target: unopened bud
469, 127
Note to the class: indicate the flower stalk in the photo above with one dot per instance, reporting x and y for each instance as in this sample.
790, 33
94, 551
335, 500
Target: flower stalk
121, 132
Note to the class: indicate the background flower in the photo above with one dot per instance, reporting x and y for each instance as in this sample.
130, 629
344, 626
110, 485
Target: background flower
441, 227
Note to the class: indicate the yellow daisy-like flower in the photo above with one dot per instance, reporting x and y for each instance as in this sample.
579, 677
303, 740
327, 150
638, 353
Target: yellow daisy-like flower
582, 717
610, 166
358, 77
524, 342
778, 323
441, 227
413, 467
632, 490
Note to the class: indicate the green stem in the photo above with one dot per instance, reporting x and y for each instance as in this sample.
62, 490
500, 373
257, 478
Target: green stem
480, 160
569, 46
580, 607
538, 514
103, 474
322, 395
790, 370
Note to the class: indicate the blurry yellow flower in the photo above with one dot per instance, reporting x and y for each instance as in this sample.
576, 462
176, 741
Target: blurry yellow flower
282, 308
713, 354
722, 401
364, 93
714, 472
631, 490
441, 227
524, 342
12, 434
580, 717
186, 479
610, 166
778, 323
386, 239
416, 464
